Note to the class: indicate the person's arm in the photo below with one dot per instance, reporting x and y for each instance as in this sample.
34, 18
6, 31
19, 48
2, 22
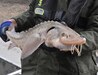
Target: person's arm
91, 34
26, 19
73, 12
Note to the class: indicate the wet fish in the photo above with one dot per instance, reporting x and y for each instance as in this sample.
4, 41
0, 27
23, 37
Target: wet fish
52, 33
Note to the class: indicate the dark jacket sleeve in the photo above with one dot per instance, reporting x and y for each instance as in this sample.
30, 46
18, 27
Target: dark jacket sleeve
91, 34
26, 19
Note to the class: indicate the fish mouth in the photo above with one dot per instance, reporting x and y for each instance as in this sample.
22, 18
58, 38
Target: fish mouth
76, 43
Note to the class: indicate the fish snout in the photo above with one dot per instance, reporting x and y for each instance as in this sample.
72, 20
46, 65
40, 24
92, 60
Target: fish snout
69, 39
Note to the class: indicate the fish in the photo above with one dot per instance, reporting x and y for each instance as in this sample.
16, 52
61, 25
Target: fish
52, 33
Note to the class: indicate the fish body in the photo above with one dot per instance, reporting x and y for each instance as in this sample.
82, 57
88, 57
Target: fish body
48, 32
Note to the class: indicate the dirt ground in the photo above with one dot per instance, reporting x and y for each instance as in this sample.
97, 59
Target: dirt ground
10, 8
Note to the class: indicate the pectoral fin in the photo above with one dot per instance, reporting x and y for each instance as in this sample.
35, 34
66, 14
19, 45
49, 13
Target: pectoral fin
31, 45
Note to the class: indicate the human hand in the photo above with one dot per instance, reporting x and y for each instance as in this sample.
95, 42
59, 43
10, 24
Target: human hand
6, 25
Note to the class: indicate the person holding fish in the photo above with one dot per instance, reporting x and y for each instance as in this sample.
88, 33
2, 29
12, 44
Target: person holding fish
80, 15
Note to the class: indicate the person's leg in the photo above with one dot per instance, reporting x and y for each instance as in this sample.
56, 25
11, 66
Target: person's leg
41, 62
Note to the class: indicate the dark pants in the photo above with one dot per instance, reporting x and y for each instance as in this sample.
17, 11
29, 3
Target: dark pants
53, 62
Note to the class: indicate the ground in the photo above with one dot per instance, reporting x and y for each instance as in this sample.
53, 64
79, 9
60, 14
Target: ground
10, 8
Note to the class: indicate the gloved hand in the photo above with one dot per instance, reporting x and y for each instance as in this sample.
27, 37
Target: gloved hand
3, 28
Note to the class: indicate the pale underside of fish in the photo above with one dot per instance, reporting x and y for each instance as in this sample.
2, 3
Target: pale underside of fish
52, 33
